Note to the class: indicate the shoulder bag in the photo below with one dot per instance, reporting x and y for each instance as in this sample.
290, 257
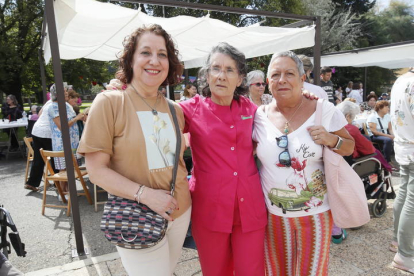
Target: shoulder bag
346, 194
132, 225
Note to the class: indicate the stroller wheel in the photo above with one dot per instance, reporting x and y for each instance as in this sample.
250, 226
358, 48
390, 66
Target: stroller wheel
379, 207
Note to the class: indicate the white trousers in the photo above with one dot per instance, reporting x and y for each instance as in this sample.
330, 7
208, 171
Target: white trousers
161, 259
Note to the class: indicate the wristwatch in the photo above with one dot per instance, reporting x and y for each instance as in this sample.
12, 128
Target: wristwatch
338, 144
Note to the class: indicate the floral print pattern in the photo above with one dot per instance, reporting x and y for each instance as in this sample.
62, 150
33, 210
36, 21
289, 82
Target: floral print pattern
57, 142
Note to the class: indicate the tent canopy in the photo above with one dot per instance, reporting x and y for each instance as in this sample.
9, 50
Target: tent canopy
96, 30
391, 57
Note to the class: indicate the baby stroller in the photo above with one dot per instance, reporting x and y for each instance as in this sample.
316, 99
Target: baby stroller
377, 182
6, 221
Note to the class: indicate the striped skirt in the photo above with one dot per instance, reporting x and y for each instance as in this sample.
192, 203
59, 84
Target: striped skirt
298, 246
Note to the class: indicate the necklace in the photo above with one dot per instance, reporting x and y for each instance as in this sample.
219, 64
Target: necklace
153, 109
286, 129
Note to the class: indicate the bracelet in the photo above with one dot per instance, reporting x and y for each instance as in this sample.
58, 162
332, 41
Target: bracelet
136, 194
141, 190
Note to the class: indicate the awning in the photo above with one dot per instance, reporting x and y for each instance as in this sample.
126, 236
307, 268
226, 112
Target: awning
96, 30
391, 57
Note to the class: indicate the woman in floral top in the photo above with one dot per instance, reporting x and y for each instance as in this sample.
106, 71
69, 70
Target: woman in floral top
55, 126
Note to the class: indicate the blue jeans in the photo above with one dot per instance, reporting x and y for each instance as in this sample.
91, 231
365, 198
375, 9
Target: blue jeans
387, 145
404, 212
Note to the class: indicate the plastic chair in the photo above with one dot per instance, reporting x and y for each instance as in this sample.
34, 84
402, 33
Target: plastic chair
30, 155
50, 175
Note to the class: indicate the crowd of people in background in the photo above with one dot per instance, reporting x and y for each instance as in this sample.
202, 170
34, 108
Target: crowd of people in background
233, 108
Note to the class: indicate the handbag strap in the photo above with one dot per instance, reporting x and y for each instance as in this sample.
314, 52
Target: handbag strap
177, 147
382, 128
318, 113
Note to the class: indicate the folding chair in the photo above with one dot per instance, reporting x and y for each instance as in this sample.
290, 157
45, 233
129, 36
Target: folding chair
30, 155
95, 194
50, 175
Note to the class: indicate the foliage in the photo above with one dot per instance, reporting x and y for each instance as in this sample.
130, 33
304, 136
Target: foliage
356, 6
339, 28
82, 73
391, 25
20, 25
96, 89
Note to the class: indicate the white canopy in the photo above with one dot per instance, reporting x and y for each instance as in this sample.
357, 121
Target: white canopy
95, 30
399, 56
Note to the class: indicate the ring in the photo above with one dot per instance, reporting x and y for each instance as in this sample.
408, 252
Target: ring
169, 211
316, 137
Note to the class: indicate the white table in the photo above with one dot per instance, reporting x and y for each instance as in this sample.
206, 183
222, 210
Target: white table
12, 125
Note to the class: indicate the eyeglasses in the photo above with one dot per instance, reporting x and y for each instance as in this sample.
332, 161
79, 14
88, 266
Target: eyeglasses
258, 84
229, 72
284, 156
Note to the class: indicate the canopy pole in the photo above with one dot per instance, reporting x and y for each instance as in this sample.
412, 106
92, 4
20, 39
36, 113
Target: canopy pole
41, 60
54, 47
317, 53
365, 83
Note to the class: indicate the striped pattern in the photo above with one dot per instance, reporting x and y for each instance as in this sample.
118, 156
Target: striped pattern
131, 225
298, 246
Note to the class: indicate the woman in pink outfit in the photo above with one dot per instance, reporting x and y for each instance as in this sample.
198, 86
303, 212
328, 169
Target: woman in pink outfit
229, 213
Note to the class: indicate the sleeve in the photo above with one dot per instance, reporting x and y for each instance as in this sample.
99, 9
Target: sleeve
362, 145
189, 107
333, 119
99, 130
53, 111
19, 112
372, 118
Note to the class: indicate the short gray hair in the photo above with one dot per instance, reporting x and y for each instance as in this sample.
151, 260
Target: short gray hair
234, 54
349, 108
307, 63
293, 56
53, 92
254, 74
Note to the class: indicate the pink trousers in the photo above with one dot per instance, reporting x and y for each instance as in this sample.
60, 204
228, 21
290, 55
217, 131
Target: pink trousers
228, 254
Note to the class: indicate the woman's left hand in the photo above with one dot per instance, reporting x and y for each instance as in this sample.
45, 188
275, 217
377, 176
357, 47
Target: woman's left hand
321, 137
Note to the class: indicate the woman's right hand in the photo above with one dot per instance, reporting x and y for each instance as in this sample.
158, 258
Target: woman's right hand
160, 201
79, 116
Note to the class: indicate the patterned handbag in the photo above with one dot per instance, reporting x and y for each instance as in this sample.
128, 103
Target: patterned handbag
129, 224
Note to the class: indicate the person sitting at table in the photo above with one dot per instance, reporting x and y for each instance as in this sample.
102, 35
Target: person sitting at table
12, 112
380, 129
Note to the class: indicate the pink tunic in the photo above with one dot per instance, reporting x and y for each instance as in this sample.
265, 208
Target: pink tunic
224, 168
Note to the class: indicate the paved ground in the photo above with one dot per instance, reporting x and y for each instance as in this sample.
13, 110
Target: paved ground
50, 239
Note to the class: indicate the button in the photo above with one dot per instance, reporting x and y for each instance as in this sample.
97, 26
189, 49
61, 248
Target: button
235, 173
241, 199
231, 126
232, 148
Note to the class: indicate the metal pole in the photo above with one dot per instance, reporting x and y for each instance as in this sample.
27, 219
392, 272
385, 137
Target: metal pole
54, 47
186, 79
317, 52
365, 83
41, 60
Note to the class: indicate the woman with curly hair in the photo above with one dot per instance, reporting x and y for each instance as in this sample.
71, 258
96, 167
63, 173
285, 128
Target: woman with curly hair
129, 145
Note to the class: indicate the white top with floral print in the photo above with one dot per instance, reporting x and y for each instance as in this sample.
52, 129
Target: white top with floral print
402, 119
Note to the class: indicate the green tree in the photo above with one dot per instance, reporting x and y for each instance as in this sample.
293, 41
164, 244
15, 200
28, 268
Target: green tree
391, 25
357, 6
20, 25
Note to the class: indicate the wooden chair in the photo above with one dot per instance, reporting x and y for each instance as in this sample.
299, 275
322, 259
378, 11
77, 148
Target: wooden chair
30, 155
95, 194
50, 175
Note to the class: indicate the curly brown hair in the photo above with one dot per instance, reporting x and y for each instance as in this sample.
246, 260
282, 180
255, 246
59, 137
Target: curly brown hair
380, 105
125, 72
